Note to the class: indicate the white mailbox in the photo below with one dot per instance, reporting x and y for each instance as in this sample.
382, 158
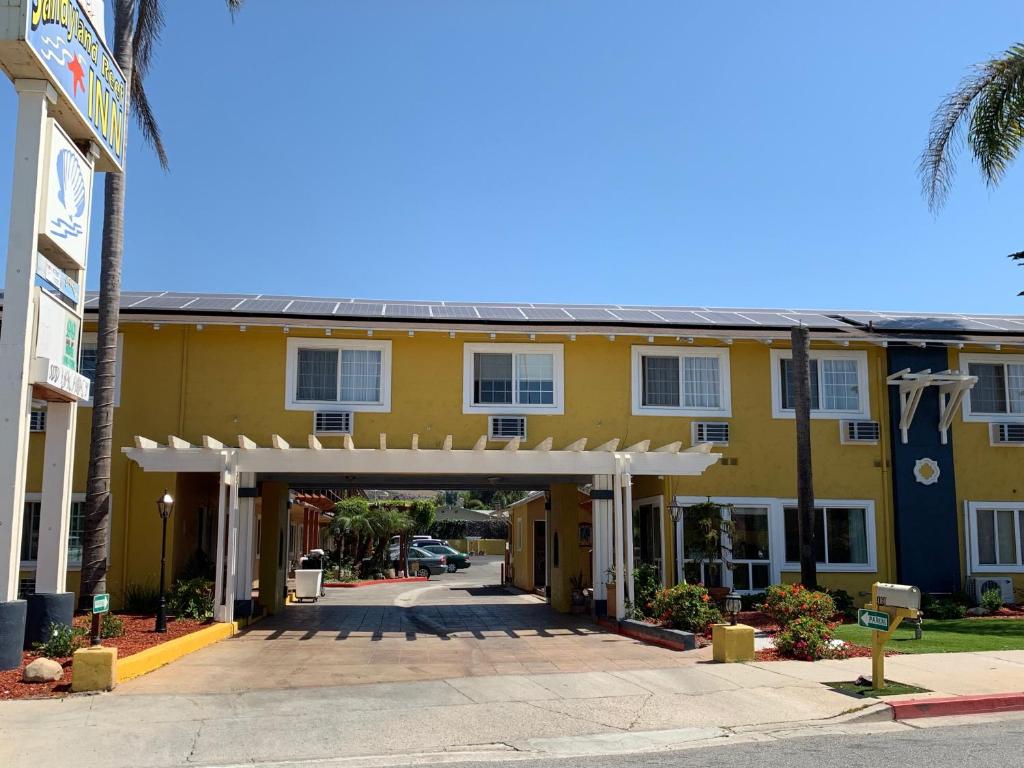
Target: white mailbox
897, 596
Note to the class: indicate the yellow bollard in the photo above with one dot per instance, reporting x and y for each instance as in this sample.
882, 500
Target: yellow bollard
732, 642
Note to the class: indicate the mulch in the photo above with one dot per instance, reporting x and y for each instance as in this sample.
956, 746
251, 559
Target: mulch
1006, 612
138, 636
852, 652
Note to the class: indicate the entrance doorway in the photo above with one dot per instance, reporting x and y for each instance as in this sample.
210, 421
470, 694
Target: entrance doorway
647, 535
540, 555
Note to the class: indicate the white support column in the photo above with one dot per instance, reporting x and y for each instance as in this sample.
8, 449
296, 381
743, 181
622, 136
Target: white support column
219, 556
55, 507
627, 509
246, 539
599, 515
231, 575
17, 328
620, 585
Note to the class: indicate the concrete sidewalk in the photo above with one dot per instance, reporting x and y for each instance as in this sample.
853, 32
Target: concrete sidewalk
527, 714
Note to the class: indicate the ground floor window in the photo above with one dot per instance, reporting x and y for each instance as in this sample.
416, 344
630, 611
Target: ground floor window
30, 533
764, 541
997, 536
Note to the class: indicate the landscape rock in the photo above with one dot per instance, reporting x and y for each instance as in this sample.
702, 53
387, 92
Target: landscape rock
43, 671
977, 611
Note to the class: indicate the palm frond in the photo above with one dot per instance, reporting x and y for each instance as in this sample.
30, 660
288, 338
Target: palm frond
147, 120
989, 102
234, 6
149, 24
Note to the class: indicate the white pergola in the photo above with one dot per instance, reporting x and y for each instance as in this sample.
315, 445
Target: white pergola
609, 468
952, 385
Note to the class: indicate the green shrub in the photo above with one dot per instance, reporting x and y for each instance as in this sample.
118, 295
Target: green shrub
944, 608
111, 626
843, 602
141, 598
808, 639
686, 606
647, 582
785, 603
992, 599
191, 599
61, 641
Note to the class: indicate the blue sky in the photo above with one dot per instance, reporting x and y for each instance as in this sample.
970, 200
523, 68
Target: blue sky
565, 150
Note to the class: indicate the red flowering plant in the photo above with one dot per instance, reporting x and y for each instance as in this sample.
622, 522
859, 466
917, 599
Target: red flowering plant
686, 606
785, 603
809, 639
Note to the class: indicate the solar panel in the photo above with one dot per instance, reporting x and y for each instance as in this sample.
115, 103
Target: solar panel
545, 313
307, 307
592, 314
499, 313
212, 304
359, 309
407, 310
453, 313
681, 317
637, 316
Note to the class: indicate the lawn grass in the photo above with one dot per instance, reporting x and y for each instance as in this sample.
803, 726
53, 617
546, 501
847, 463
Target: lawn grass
891, 688
947, 636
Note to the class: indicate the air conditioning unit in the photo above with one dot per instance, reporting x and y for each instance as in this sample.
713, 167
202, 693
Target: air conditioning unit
979, 585
506, 427
332, 422
716, 432
1008, 434
37, 421
859, 431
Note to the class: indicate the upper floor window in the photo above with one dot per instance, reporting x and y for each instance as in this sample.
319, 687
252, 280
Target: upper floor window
512, 378
353, 373
839, 384
676, 381
999, 392
87, 365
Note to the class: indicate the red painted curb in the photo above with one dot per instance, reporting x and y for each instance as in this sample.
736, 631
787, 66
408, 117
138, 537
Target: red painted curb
372, 582
957, 705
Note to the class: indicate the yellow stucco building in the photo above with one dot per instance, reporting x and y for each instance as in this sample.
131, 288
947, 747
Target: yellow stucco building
615, 415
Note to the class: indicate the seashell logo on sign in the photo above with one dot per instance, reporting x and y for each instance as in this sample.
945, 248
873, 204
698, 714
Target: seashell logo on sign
64, 220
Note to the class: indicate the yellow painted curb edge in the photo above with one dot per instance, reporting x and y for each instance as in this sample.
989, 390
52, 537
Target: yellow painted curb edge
146, 661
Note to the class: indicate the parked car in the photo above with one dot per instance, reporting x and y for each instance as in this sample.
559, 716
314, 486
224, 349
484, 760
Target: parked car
456, 560
424, 563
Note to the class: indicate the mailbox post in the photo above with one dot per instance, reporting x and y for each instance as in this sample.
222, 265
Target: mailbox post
890, 605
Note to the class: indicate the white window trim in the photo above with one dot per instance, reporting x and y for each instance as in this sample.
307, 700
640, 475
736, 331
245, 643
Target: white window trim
864, 412
31, 565
91, 337
558, 367
972, 519
725, 386
777, 532
381, 345
965, 359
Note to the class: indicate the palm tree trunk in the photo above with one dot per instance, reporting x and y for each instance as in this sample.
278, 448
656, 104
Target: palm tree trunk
96, 518
801, 341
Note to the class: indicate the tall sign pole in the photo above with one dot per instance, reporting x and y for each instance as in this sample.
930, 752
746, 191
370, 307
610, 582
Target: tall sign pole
72, 119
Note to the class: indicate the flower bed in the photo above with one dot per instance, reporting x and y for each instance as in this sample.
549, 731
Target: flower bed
138, 636
370, 582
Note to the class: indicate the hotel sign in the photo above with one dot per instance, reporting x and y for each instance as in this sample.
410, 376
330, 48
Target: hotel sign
57, 41
66, 200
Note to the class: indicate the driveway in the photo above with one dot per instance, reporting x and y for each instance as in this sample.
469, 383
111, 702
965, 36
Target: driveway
453, 626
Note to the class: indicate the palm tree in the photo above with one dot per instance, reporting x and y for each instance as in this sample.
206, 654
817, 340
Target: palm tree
986, 109
351, 516
801, 342
137, 27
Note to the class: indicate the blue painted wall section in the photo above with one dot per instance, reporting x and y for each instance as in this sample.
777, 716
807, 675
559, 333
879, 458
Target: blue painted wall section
927, 543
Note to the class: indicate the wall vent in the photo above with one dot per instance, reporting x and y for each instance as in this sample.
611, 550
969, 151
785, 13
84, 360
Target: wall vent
26, 586
859, 431
716, 432
506, 427
332, 423
1008, 434
37, 421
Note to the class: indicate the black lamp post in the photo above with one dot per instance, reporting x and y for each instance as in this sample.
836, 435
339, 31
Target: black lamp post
677, 515
733, 605
164, 505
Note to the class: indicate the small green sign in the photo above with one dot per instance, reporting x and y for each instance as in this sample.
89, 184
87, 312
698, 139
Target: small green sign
873, 619
101, 603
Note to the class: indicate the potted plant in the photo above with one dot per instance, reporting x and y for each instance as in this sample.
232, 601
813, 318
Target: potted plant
709, 552
578, 597
609, 583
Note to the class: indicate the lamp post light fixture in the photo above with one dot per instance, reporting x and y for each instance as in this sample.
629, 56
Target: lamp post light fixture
676, 511
164, 505
733, 605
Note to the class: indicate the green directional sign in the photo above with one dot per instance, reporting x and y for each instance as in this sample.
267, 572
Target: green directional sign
873, 619
101, 603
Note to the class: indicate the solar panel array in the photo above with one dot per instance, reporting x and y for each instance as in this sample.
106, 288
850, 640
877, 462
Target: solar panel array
568, 314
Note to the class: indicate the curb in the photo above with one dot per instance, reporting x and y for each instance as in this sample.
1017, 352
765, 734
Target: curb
371, 582
910, 709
